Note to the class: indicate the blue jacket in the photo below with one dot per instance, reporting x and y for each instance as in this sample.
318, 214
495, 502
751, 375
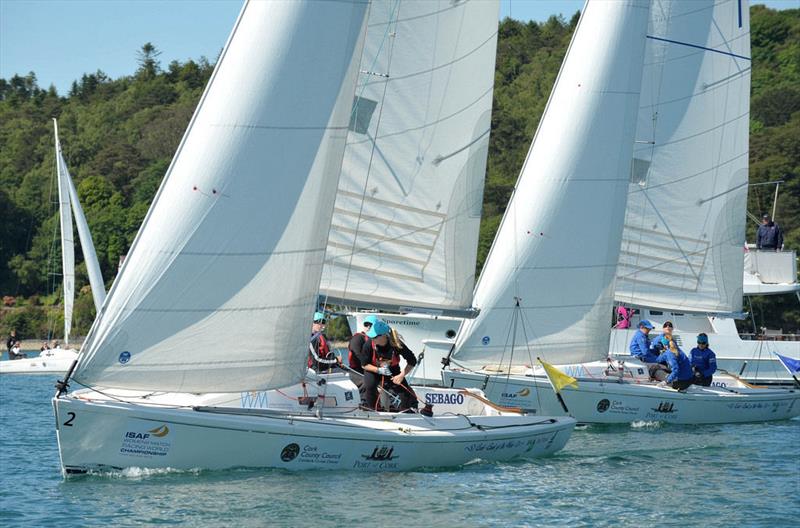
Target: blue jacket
680, 365
641, 348
705, 361
769, 236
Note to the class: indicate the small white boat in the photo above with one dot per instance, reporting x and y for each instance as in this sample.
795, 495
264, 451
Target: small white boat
604, 396
280, 429
233, 246
54, 360
59, 360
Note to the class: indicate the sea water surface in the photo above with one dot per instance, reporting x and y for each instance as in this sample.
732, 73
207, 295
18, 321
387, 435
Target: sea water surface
640, 475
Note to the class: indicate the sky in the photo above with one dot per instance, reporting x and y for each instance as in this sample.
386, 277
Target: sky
60, 40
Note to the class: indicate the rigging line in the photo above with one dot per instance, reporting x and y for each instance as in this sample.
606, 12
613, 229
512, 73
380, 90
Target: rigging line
671, 234
698, 47
394, 13
530, 358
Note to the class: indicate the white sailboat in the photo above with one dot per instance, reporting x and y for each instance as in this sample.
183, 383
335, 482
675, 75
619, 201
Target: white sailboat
695, 109
206, 323
58, 360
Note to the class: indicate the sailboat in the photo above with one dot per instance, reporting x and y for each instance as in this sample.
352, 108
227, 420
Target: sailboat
58, 360
206, 324
691, 130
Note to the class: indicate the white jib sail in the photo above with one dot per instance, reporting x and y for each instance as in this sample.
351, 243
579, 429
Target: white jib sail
405, 226
685, 221
218, 290
67, 241
85, 236
558, 244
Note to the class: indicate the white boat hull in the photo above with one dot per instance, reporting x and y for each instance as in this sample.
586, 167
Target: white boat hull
55, 362
609, 401
106, 435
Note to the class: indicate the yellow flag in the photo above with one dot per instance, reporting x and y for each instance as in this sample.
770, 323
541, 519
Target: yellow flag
558, 379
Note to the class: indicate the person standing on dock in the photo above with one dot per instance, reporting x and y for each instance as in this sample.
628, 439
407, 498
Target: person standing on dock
704, 362
13, 345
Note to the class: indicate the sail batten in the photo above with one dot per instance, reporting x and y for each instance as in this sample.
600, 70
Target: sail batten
682, 246
217, 290
546, 289
405, 226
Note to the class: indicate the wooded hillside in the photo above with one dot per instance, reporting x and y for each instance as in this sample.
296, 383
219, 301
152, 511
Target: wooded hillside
119, 135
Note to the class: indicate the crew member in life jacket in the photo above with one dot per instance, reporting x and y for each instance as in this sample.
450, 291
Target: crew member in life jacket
681, 375
320, 356
704, 362
354, 351
380, 359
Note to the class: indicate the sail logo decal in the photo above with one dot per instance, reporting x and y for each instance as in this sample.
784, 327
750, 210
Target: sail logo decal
486, 340
160, 432
665, 407
124, 357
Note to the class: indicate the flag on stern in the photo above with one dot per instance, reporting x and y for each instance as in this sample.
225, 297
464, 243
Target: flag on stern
558, 379
791, 364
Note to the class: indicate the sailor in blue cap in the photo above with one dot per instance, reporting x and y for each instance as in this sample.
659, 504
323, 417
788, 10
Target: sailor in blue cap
704, 362
642, 349
354, 347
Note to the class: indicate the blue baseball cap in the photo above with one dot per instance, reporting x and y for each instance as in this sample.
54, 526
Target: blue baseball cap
319, 317
379, 328
371, 319
647, 324
702, 339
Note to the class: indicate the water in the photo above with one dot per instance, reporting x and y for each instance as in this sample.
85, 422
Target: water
641, 475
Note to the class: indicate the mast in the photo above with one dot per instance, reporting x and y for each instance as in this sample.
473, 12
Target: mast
67, 242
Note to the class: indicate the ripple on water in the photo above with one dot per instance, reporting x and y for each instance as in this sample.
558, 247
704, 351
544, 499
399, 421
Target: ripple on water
736, 475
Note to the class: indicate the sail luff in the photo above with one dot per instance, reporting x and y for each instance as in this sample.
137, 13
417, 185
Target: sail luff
547, 285
684, 230
67, 242
217, 290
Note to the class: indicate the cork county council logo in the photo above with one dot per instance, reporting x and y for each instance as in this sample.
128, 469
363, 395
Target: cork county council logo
290, 452
603, 405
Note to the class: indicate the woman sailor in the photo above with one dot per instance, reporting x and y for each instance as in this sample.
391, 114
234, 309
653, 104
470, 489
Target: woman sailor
681, 375
380, 358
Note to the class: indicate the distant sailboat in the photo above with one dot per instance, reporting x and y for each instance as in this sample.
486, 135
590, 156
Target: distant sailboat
548, 283
59, 359
234, 246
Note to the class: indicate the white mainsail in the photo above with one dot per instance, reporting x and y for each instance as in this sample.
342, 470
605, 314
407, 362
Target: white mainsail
682, 247
408, 206
85, 236
67, 241
217, 289
557, 247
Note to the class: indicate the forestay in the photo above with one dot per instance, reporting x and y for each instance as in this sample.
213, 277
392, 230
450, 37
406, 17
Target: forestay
217, 290
558, 244
684, 234
405, 226
67, 241
87, 246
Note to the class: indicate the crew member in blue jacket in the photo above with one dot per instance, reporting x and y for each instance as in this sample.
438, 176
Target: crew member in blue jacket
681, 375
642, 349
704, 362
769, 235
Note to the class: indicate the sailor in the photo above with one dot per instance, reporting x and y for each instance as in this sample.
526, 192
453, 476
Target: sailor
354, 351
320, 357
704, 362
769, 235
666, 330
10, 342
380, 358
642, 349
681, 375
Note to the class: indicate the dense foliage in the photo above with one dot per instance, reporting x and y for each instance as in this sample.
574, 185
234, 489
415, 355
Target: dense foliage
119, 135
